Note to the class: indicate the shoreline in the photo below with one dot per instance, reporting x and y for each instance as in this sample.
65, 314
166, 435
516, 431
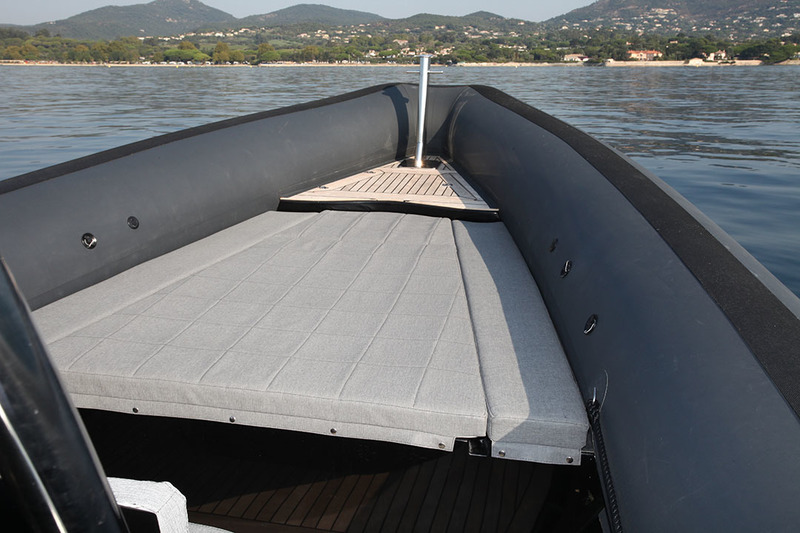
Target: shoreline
612, 64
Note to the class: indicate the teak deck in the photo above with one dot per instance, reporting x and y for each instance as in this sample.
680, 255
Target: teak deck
440, 186
249, 479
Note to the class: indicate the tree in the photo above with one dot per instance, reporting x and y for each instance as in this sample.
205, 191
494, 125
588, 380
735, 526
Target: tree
13, 52
338, 54
222, 53
353, 53
80, 53
237, 56
310, 53
29, 52
266, 53
770, 51
178, 54
186, 45
121, 50
100, 52
290, 54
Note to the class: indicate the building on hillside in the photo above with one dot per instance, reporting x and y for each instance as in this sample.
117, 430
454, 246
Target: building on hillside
719, 55
645, 55
576, 57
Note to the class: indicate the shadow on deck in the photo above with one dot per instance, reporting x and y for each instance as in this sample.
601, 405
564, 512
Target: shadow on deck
257, 480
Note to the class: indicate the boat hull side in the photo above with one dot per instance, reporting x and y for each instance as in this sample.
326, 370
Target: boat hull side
184, 186
698, 435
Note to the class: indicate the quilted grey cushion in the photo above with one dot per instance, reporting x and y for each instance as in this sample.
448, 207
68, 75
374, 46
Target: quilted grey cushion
353, 323
535, 408
162, 500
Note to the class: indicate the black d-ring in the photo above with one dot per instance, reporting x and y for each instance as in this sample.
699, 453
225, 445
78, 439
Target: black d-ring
89, 241
590, 325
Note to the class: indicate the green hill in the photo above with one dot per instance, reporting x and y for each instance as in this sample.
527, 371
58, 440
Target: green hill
732, 19
310, 14
160, 17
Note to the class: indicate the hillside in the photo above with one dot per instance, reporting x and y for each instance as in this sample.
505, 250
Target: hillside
174, 17
428, 22
730, 19
309, 14
739, 19
160, 17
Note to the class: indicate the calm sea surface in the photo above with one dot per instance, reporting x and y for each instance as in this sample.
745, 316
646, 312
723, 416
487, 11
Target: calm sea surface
726, 138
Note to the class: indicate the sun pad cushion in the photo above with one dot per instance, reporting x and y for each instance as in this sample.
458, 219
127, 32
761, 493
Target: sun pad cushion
374, 325
351, 323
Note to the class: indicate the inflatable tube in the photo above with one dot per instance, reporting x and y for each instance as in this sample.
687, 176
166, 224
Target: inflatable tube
682, 345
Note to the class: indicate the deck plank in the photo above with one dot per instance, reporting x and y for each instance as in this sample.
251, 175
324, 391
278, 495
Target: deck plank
307, 504
480, 493
427, 511
250, 491
494, 498
377, 505
416, 497
300, 499
326, 495
382, 178
508, 502
338, 502
387, 184
219, 491
312, 484
431, 185
532, 500
458, 519
363, 492
254, 510
455, 476
400, 502
441, 186
400, 183
283, 500
364, 185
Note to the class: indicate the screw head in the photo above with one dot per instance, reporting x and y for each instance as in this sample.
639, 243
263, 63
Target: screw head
501, 453
232, 419
570, 460
442, 446
333, 431
133, 222
135, 410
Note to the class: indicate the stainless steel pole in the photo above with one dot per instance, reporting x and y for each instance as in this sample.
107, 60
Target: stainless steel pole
424, 64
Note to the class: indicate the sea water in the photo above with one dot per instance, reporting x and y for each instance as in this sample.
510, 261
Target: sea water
727, 138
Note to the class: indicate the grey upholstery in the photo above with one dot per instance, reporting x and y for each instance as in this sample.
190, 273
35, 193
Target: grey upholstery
162, 500
347, 322
353, 324
535, 408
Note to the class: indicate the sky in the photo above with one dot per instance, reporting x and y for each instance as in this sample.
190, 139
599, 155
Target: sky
36, 11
